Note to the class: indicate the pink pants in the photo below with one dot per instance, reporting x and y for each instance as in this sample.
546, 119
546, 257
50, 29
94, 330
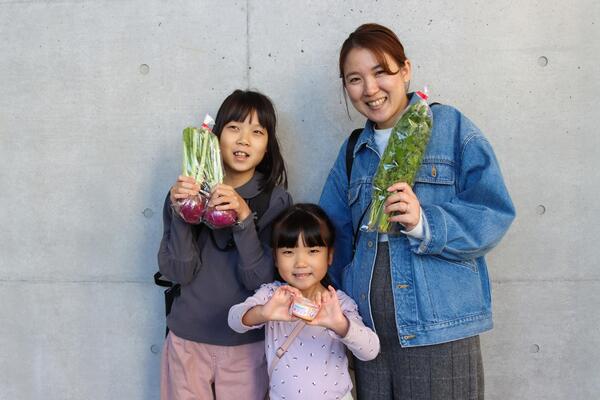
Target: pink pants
189, 370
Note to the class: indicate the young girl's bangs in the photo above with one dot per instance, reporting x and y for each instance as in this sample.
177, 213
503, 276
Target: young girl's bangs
300, 223
239, 105
241, 112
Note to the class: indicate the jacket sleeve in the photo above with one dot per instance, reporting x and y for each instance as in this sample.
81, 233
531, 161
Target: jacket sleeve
255, 261
474, 221
360, 340
178, 258
334, 201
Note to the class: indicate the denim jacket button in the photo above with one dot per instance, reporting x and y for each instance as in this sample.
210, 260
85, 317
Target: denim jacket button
408, 337
370, 243
363, 297
402, 286
433, 171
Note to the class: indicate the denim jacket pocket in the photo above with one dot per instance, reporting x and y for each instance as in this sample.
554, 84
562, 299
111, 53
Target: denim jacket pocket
470, 264
439, 172
452, 289
435, 181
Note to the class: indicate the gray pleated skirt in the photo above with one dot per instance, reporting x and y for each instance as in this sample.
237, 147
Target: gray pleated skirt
447, 371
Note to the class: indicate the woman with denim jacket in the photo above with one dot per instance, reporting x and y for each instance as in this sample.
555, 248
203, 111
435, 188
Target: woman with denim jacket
425, 289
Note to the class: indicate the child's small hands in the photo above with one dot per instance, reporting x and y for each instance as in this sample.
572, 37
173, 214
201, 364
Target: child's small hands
224, 197
184, 187
278, 306
330, 313
403, 205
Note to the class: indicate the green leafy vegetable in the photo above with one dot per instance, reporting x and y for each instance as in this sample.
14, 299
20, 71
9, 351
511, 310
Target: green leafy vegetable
202, 157
400, 160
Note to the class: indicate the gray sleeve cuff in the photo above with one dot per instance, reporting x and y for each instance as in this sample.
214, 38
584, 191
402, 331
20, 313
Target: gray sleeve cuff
244, 224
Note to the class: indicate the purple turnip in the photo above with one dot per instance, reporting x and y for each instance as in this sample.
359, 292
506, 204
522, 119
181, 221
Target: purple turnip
217, 219
192, 209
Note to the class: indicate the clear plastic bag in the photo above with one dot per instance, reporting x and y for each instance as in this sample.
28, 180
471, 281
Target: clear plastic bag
401, 159
202, 161
217, 219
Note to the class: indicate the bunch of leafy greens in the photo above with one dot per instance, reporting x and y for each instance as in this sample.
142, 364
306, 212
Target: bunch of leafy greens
400, 160
202, 157
202, 161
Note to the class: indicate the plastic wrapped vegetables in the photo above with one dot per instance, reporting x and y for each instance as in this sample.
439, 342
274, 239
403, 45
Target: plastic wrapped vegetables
401, 159
202, 161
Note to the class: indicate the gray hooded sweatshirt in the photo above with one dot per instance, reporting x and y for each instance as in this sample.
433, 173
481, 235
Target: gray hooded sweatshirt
214, 277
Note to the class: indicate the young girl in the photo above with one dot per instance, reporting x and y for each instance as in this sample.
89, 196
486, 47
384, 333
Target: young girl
217, 269
315, 365
425, 289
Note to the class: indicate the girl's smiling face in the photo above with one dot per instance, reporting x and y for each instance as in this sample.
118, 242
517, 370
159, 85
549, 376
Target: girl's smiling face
375, 93
303, 267
243, 146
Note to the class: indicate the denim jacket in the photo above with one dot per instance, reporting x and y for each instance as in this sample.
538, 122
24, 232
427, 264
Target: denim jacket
440, 284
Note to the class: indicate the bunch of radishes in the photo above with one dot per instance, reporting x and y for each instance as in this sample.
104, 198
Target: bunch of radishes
202, 161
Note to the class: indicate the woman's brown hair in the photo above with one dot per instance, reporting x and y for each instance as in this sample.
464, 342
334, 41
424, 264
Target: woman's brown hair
379, 40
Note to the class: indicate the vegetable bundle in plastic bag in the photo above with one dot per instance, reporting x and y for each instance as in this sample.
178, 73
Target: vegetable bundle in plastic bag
401, 159
202, 161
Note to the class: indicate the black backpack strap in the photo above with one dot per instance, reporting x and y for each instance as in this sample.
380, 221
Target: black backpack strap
259, 204
350, 150
161, 282
171, 292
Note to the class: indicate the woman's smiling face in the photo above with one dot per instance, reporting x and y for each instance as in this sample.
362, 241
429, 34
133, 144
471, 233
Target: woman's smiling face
375, 93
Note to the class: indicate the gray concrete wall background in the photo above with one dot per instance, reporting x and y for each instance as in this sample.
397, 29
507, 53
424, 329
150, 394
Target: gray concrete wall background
93, 98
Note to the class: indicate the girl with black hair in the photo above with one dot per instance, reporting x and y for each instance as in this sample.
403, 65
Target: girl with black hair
314, 365
203, 358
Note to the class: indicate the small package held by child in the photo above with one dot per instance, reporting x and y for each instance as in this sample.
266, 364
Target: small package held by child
202, 161
304, 308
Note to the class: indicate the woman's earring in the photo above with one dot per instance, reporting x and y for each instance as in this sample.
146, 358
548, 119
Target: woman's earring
406, 85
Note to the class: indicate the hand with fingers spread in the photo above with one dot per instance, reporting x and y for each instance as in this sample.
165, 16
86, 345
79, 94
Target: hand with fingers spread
224, 197
276, 309
330, 313
403, 205
278, 306
184, 187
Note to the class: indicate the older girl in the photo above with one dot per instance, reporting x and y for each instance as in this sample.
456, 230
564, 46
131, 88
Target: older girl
203, 358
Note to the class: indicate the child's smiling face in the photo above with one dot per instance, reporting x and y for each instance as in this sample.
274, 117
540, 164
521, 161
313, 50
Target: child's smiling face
303, 267
243, 146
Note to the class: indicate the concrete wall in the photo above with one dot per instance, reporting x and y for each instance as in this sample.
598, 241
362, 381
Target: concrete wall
93, 98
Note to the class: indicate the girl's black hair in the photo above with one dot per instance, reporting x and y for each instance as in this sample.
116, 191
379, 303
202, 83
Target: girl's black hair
236, 107
305, 220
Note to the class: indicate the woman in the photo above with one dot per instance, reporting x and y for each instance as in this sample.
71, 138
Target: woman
425, 289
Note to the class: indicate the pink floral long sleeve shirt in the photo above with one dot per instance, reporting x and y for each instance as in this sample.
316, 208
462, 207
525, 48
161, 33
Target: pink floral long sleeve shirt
315, 365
